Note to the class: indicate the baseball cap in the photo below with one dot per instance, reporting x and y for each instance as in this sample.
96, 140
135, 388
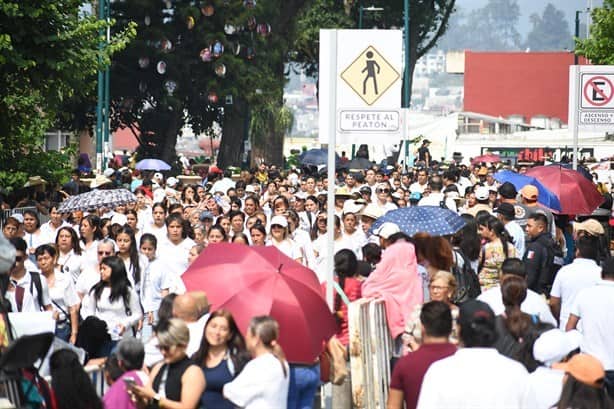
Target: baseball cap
590, 226
415, 196
529, 192
18, 217
554, 345
481, 193
108, 172
7, 255
350, 206
473, 311
506, 210
508, 191
158, 177
366, 190
386, 230
371, 210
172, 181
585, 368
280, 221
483, 171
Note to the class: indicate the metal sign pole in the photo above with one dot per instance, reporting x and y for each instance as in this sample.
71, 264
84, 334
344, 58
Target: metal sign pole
574, 81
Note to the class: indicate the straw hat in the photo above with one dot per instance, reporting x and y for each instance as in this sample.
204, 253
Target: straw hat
99, 181
35, 181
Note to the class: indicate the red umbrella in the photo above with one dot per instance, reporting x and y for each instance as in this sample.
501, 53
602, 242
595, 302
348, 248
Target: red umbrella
577, 194
251, 281
487, 158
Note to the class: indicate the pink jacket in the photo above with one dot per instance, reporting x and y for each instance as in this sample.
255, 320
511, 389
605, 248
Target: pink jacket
396, 280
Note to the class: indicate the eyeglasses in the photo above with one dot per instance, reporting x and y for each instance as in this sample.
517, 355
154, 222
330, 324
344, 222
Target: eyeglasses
321, 220
104, 253
438, 288
382, 190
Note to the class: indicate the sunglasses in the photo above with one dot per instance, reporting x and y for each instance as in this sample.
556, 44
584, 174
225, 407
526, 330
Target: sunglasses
383, 190
164, 348
104, 253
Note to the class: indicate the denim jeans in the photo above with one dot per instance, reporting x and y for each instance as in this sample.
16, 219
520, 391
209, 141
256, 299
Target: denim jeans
63, 331
609, 383
304, 382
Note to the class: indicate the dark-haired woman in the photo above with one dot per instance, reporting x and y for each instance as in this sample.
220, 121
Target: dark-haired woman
114, 301
69, 252
176, 248
258, 234
64, 298
222, 355
346, 268
72, 387
90, 231
127, 250
157, 225
498, 247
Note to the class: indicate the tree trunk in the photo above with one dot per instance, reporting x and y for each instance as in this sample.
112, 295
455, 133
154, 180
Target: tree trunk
233, 133
168, 153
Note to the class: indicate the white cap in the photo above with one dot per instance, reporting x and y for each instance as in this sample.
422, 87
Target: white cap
108, 172
350, 206
158, 177
250, 189
172, 181
279, 220
158, 195
386, 230
372, 210
481, 193
554, 345
17, 216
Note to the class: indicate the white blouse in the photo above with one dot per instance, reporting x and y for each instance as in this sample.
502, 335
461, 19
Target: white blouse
114, 313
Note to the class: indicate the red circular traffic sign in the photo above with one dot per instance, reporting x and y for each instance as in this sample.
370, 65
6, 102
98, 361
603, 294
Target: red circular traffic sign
596, 95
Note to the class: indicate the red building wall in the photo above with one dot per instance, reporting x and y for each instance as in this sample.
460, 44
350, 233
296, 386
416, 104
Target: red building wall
509, 83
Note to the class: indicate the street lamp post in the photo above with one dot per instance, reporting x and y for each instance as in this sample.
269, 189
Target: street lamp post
102, 106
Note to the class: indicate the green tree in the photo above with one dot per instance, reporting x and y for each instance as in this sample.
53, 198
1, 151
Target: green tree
199, 85
599, 47
49, 56
550, 31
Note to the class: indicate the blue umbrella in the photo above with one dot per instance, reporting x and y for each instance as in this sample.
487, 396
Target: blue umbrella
152, 164
545, 196
315, 157
433, 220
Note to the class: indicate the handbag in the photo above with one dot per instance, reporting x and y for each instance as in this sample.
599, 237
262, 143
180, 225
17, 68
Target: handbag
333, 360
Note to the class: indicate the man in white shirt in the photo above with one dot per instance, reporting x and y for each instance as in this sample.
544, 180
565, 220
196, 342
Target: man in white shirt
534, 304
195, 314
26, 292
583, 272
223, 184
422, 182
435, 197
476, 376
507, 213
594, 307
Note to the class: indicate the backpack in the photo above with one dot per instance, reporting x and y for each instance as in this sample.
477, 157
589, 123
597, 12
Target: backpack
35, 280
467, 282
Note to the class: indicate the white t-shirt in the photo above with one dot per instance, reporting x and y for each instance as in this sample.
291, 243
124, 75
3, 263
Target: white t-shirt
517, 235
30, 300
63, 294
261, 384
113, 312
435, 199
595, 307
474, 378
154, 279
289, 247
534, 304
544, 388
176, 255
71, 264
570, 279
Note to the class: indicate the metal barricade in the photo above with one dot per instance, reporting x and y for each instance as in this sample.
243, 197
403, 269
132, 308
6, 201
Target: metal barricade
96, 374
370, 353
7, 213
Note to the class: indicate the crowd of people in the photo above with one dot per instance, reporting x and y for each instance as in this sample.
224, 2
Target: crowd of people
534, 330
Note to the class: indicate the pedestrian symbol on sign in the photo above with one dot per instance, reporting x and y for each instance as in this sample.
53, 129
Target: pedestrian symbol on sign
370, 75
370, 68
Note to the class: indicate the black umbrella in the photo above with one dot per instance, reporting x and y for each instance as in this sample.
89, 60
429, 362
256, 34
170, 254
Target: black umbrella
359, 164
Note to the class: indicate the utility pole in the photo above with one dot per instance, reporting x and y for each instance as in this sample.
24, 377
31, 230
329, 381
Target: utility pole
102, 106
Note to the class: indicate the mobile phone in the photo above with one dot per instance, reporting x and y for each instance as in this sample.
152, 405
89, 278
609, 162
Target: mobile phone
129, 381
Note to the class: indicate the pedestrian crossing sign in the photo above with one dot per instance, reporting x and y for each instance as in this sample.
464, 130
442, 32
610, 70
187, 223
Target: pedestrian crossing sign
370, 75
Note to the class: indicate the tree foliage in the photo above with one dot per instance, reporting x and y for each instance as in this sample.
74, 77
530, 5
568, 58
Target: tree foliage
599, 47
490, 28
550, 31
49, 56
188, 40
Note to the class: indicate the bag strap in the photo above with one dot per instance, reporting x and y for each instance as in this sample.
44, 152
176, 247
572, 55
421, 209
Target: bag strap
67, 315
35, 280
341, 293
